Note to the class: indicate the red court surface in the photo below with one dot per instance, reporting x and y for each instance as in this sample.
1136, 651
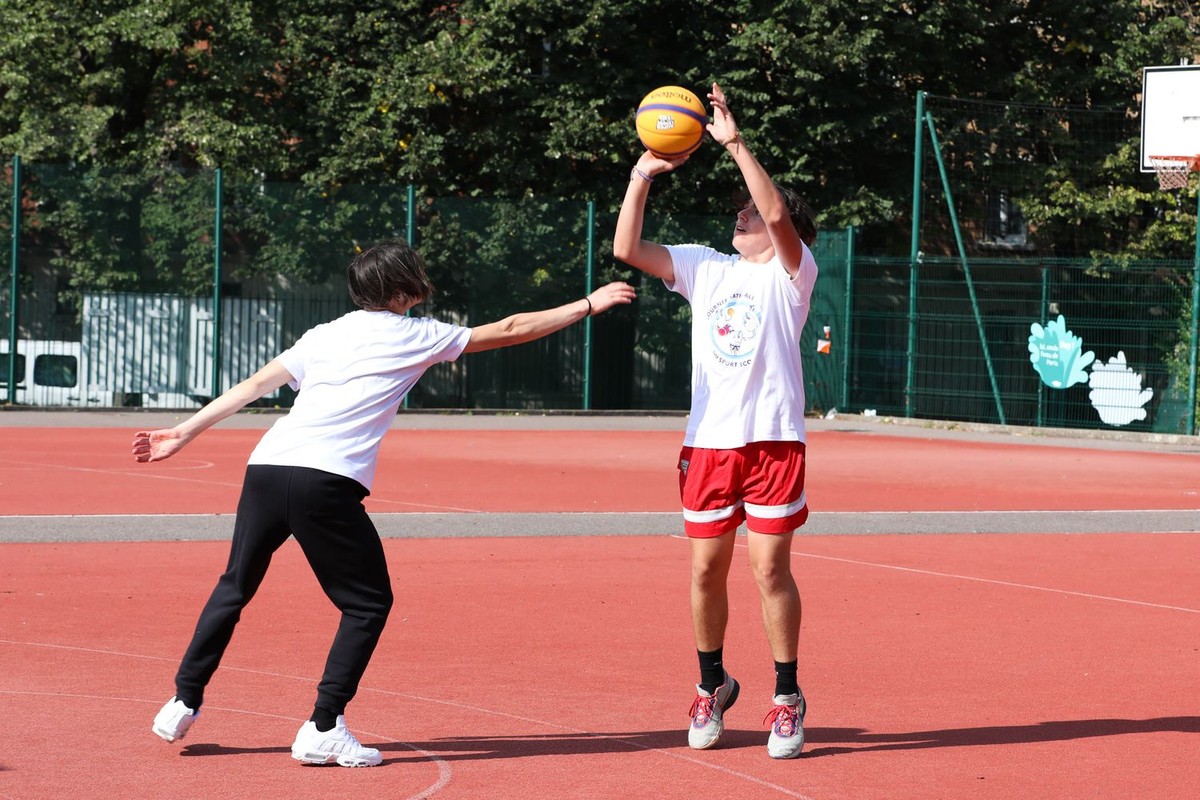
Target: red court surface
90, 471
1020, 664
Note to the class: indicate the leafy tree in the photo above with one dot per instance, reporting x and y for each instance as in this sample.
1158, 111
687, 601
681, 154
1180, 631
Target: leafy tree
522, 99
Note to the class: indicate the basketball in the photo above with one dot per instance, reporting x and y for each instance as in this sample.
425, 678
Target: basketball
670, 121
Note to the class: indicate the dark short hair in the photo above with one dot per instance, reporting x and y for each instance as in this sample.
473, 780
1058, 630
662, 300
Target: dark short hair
386, 271
798, 210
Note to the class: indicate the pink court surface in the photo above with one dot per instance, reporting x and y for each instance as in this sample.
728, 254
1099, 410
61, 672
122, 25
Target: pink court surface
988, 614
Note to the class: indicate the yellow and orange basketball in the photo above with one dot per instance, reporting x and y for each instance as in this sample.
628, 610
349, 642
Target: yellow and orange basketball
670, 121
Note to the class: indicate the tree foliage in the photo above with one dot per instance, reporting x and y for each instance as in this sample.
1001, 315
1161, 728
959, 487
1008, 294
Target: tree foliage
520, 99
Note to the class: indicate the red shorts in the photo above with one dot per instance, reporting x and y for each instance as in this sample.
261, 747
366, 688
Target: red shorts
761, 484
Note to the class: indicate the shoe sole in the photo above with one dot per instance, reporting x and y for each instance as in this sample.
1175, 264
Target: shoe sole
733, 696
168, 735
327, 758
165, 735
795, 754
783, 757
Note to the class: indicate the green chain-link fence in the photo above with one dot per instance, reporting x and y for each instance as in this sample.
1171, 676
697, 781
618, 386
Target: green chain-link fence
112, 301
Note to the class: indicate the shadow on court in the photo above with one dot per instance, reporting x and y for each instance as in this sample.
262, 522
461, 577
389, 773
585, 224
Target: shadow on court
1062, 731
856, 740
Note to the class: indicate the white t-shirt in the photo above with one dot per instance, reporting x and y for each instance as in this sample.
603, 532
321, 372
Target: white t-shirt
352, 374
747, 380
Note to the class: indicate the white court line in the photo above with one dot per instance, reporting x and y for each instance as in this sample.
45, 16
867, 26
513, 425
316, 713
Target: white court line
993, 581
195, 464
476, 708
603, 736
1001, 583
444, 771
384, 501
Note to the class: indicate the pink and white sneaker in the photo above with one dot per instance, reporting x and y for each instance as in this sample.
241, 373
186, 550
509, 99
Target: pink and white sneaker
708, 713
787, 726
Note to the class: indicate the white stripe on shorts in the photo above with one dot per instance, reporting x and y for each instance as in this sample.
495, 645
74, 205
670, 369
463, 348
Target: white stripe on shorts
714, 515
775, 512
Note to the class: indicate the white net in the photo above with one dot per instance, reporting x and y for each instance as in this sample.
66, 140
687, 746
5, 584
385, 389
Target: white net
1172, 171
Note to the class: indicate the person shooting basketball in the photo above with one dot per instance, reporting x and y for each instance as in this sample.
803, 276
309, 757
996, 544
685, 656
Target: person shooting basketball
743, 455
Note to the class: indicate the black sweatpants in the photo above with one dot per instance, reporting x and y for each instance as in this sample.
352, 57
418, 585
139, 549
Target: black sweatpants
326, 515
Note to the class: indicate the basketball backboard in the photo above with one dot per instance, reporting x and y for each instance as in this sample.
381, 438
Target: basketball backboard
1170, 113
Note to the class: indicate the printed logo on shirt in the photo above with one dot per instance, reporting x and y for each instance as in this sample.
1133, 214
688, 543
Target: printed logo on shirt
733, 327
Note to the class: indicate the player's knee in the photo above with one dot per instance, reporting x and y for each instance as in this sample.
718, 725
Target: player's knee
708, 576
773, 576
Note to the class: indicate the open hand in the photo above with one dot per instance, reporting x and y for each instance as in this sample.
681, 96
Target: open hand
157, 445
609, 295
722, 128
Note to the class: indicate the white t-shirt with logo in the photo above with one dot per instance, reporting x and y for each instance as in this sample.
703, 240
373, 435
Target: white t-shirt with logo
351, 374
747, 380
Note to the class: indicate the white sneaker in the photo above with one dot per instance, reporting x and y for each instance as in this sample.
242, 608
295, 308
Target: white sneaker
316, 747
173, 721
708, 713
787, 726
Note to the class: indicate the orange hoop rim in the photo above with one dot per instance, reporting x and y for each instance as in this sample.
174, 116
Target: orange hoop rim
1172, 171
1189, 162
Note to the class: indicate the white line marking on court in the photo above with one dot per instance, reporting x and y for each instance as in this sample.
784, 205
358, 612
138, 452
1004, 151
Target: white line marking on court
189, 464
445, 773
999, 582
476, 708
607, 737
384, 501
993, 581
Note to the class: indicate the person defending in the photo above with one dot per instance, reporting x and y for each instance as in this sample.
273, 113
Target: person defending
743, 455
310, 472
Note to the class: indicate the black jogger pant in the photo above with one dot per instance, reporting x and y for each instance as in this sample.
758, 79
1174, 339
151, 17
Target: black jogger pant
325, 513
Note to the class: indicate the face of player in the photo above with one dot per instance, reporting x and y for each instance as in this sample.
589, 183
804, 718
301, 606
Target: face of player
750, 237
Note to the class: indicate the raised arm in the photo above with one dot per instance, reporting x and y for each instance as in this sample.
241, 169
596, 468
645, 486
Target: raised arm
767, 199
628, 244
164, 443
530, 325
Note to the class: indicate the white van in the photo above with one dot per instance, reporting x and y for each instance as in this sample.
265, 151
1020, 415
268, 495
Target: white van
48, 374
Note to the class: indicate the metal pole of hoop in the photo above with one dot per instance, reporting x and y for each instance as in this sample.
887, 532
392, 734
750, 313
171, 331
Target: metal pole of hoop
1195, 343
1173, 173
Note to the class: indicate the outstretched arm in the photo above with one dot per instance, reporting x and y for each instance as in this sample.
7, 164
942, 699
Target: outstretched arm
160, 444
628, 244
767, 199
527, 326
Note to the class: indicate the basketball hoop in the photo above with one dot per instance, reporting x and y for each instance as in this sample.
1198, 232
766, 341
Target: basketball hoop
1173, 171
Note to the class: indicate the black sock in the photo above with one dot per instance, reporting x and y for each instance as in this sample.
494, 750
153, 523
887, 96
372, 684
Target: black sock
785, 678
712, 672
324, 719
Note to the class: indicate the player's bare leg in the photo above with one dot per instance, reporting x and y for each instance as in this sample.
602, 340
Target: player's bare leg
771, 559
710, 615
710, 595
771, 562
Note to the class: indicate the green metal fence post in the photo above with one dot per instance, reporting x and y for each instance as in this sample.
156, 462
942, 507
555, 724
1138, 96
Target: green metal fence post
218, 213
587, 323
962, 254
14, 280
848, 319
1042, 318
1192, 399
410, 234
410, 215
914, 260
